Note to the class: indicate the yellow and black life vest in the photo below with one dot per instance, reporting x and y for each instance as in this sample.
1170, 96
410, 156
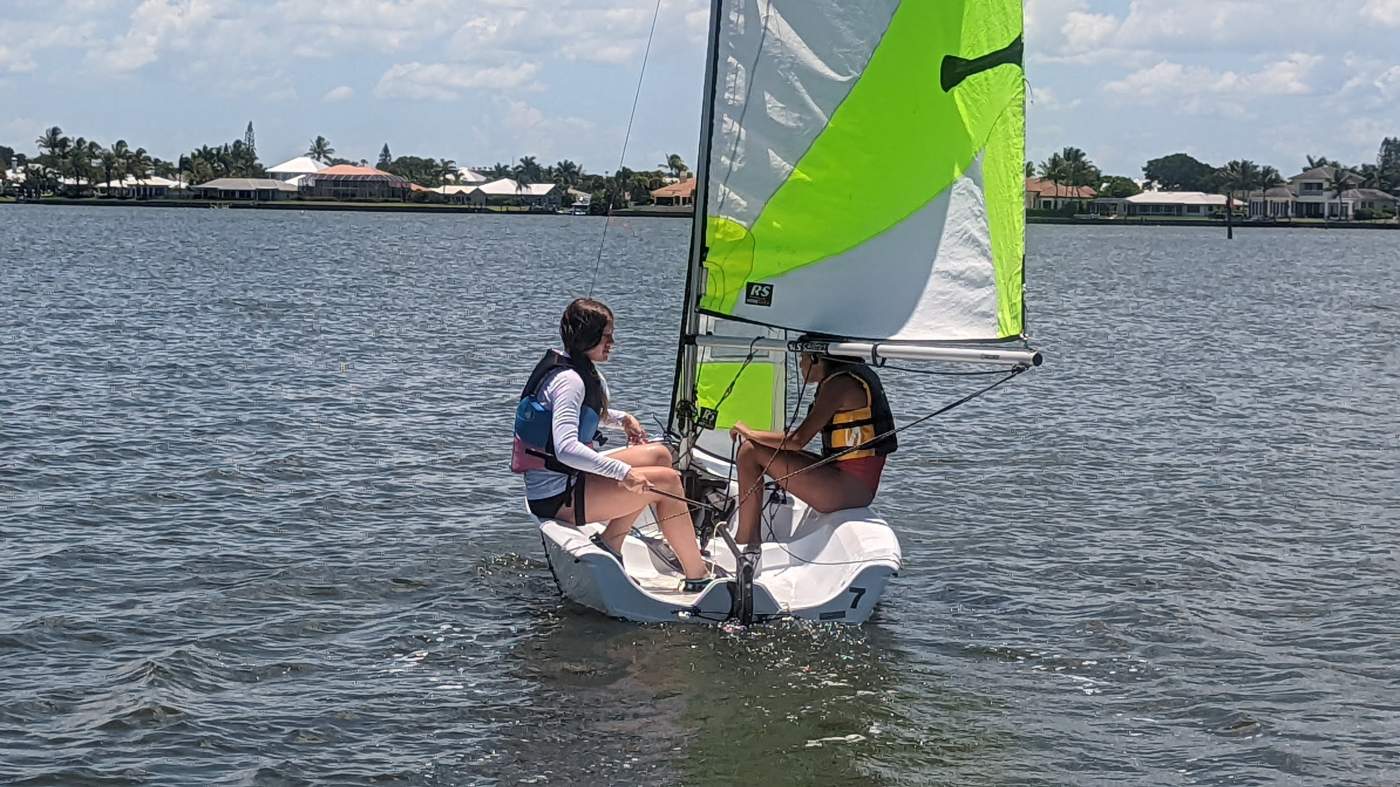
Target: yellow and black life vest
861, 426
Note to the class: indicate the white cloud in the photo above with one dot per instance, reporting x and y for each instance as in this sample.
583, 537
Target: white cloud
15, 61
1047, 98
1387, 12
550, 136
338, 94
448, 81
521, 116
1168, 79
1366, 131
1085, 31
156, 24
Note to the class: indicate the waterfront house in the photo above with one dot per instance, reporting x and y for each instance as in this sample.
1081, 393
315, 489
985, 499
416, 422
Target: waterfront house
504, 191
460, 194
259, 189
536, 196
1374, 201
1042, 194
1185, 204
1309, 195
151, 187
347, 181
682, 192
293, 169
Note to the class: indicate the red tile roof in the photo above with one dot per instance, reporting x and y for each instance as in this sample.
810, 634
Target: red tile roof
351, 169
1049, 188
684, 188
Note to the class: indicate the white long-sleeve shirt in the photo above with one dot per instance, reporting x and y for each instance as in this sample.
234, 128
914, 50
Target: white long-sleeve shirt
563, 393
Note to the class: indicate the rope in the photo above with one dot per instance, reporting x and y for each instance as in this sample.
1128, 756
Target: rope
877, 438
626, 138
769, 515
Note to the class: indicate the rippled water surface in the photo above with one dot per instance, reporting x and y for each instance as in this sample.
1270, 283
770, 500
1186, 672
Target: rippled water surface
256, 524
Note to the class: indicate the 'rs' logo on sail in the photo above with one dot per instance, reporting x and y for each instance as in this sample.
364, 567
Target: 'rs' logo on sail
758, 294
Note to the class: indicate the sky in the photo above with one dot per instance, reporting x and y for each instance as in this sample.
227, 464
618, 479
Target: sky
480, 81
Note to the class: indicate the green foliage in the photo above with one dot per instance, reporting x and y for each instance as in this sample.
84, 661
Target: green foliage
1388, 165
420, 170
1239, 176
567, 174
385, 158
229, 160
676, 165
320, 149
1070, 167
1118, 187
1180, 172
7, 157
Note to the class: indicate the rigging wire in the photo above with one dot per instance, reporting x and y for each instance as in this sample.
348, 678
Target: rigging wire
770, 517
626, 138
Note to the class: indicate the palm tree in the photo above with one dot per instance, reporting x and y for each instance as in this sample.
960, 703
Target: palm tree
109, 164
1079, 170
79, 161
320, 149
1238, 175
122, 154
567, 173
1337, 183
1269, 178
139, 165
499, 170
1054, 170
1321, 161
52, 141
521, 174
531, 169
1030, 170
676, 165
445, 170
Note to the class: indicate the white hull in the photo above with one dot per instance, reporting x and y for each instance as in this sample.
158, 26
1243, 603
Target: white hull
814, 566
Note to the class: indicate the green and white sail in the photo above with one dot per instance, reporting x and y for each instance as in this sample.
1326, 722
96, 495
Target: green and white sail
865, 172
861, 175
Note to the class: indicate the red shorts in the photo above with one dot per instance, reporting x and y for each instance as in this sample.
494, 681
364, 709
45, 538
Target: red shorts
866, 468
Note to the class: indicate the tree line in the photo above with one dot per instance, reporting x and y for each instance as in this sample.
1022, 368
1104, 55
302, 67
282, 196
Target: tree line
1072, 168
74, 165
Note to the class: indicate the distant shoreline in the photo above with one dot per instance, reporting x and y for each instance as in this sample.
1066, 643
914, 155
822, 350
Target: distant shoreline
653, 211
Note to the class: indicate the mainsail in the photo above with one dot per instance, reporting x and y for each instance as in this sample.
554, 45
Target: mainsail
861, 177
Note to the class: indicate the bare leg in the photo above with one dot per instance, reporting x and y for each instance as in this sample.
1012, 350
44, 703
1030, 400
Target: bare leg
609, 500
644, 455
824, 488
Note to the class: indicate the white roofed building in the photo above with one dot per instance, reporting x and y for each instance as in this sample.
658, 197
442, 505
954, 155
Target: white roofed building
294, 168
505, 192
1189, 204
150, 187
259, 189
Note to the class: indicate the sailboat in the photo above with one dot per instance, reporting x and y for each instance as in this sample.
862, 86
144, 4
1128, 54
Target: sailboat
861, 180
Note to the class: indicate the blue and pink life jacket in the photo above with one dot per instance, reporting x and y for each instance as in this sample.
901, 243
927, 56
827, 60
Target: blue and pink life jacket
534, 422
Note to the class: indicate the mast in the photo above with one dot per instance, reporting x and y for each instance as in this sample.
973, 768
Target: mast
683, 385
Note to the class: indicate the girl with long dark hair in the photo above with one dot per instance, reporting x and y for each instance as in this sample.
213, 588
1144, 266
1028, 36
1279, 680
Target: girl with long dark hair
566, 478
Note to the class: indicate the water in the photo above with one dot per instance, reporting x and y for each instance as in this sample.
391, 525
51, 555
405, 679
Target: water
257, 526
